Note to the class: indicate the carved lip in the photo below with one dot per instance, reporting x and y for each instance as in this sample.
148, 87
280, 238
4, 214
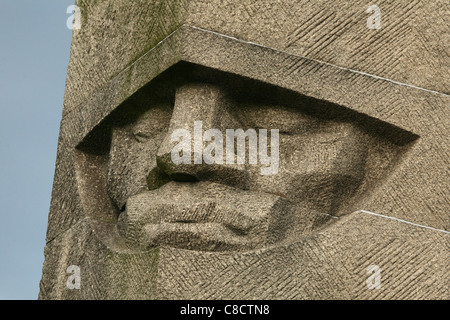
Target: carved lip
196, 236
199, 216
204, 212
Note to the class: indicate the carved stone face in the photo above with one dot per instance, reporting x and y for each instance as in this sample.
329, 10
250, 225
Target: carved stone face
361, 129
217, 207
328, 159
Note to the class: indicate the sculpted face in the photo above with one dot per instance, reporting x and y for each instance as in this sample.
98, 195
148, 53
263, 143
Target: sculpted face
225, 205
236, 152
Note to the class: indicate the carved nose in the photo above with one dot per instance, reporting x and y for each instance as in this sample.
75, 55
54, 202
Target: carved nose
198, 108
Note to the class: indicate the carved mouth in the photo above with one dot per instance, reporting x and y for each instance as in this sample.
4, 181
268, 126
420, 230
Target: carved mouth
207, 216
205, 230
197, 236
197, 216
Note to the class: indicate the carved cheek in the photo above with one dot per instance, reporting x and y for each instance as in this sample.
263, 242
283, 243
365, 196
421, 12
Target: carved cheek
129, 164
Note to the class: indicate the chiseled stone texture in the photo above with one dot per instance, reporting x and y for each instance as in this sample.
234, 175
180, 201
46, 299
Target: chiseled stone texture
105, 274
115, 34
391, 83
411, 46
331, 264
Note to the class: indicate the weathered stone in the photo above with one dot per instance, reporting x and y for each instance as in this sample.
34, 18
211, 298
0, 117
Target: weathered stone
363, 119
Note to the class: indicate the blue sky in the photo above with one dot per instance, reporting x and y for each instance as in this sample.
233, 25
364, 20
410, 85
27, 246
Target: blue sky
34, 55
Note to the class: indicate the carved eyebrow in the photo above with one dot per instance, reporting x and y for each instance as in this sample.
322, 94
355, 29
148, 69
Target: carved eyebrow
150, 124
288, 120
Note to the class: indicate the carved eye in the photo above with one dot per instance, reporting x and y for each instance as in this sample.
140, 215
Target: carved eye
288, 120
141, 136
151, 125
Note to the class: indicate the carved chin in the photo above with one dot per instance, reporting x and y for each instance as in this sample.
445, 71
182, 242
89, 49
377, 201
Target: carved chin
207, 216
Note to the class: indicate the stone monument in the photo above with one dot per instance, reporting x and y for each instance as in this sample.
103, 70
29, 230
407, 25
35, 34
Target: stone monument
253, 150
